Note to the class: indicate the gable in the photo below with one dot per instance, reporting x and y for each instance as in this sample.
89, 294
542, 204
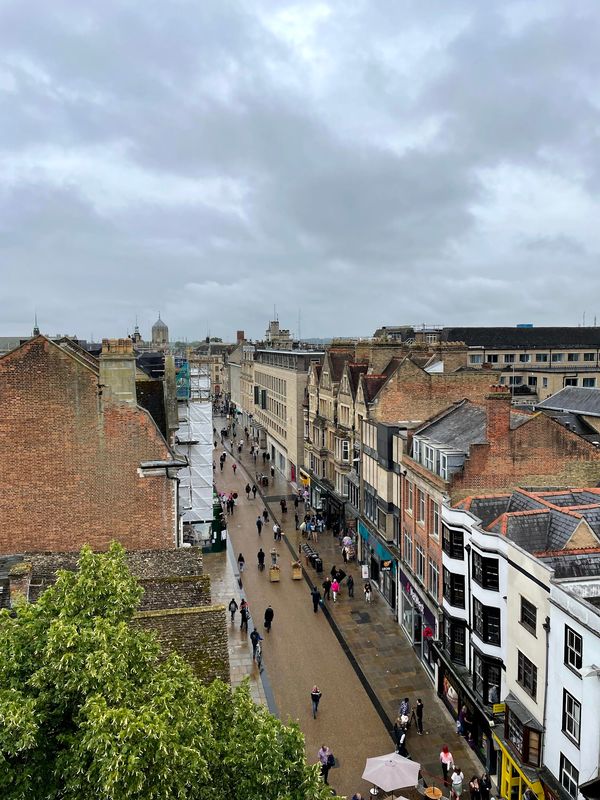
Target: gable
583, 536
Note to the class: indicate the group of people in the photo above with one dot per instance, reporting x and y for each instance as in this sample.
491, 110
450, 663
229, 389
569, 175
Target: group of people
244, 610
480, 787
251, 489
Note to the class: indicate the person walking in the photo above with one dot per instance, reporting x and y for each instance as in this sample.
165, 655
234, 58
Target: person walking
326, 761
485, 786
350, 585
315, 699
255, 638
296, 520
419, 716
241, 563
254, 490
402, 751
446, 760
404, 712
456, 781
335, 589
259, 524
316, 598
221, 464
327, 589
248, 491
474, 790
233, 607
265, 514
245, 614
367, 591
234, 467
296, 502
269, 614
260, 557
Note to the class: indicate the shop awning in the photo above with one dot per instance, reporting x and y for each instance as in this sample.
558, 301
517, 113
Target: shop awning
524, 715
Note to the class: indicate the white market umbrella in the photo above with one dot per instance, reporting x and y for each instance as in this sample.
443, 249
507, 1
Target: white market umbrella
391, 772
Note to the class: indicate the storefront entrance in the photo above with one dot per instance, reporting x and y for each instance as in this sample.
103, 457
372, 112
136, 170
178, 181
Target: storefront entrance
418, 622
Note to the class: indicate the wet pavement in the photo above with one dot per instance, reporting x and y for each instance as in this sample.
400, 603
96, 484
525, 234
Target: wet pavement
357, 653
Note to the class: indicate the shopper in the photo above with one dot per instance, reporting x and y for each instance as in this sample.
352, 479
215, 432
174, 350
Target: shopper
485, 786
350, 585
335, 589
245, 614
255, 638
474, 790
254, 490
316, 598
446, 760
457, 782
419, 716
315, 698
233, 607
327, 589
248, 491
326, 760
367, 591
241, 563
260, 557
269, 614
259, 524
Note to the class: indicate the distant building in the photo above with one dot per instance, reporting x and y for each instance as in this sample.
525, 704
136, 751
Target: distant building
160, 334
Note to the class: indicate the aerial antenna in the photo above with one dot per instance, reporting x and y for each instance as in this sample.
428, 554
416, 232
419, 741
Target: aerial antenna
299, 324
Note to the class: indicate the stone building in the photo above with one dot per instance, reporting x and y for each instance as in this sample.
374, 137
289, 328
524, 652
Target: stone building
82, 461
160, 334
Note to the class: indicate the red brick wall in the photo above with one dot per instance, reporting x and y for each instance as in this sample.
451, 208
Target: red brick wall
413, 394
539, 453
69, 460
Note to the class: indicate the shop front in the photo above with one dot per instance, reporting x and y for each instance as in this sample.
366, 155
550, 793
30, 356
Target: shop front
418, 621
453, 686
516, 782
381, 563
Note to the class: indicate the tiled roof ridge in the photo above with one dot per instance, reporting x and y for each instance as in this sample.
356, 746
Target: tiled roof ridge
576, 551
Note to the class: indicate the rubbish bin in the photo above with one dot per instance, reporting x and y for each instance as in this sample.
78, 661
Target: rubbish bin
318, 564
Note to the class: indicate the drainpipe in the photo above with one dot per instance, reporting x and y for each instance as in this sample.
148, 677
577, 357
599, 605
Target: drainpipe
468, 601
546, 627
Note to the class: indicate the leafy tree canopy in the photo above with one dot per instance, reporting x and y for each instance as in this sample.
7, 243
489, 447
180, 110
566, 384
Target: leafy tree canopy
91, 710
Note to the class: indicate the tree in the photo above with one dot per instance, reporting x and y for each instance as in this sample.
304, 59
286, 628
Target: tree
91, 710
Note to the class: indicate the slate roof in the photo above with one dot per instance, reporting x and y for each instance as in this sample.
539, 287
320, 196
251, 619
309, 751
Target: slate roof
372, 384
354, 373
573, 565
574, 423
523, 338
460, 427
488, 509
576, 399
338, 362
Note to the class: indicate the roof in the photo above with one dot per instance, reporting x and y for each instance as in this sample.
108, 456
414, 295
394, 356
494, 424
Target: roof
573, 422
573, 565
576, 399
523, 338
159, 325
371, 386
354, 373
524, 715
338, 362
458, 428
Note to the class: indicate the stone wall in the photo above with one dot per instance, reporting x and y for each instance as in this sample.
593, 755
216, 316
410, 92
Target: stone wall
175, 592
199, 635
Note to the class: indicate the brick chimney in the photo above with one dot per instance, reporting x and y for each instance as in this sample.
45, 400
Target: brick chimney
117, 369
240, 336
498, 413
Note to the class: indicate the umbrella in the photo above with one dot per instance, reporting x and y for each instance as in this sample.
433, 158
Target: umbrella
391, 772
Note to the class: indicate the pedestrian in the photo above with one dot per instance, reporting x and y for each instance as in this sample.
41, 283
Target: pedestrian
402, 751
224, 455
221, 464
325, 755
272, 472
367, 591
397, 733
457, 782
234, 467
259, 524
446, 760
485, 786
316, 598
254, 456
419, 716
248, 491
315, 698
265, 516
333, 572
404, 710
327, 589
264, 456
240, 449
269, 614
296, 520
275, 528
254, 490
233, 607
335, 589
255, 638
474, 790
244, 613
350, 585
215, 444
357, 796
260, 557
241, 563
303, 529
296, 501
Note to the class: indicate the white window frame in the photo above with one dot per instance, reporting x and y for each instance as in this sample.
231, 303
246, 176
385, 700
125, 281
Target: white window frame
568, 777
429, 460
443, 466
420, 562
571, 717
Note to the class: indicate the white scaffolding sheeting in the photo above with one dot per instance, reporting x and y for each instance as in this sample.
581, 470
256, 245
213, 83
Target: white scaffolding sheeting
194, 439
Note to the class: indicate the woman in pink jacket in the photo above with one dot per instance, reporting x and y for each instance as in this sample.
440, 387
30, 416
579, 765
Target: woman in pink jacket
335, 588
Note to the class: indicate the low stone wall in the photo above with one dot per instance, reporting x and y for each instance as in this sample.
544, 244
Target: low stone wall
199, 635
175, 592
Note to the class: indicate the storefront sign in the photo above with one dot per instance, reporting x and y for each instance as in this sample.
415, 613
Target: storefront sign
498, 708
364, 570
304, 478
415, 599
386, 566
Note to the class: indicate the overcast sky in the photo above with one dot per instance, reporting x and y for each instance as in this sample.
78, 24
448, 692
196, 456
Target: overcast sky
361, 163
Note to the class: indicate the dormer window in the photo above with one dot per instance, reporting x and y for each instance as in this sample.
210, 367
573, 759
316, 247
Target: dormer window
416, 450
443, 467
429, 460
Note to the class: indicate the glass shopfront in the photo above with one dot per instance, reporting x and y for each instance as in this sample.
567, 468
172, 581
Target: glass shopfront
381, 563
418, 621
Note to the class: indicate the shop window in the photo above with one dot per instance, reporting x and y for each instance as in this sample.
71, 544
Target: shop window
485, 572
454, 588
526, 674
526, 741
452, 543
528, 615
486, 678
569, 777
486, 622
571, 717
573, 648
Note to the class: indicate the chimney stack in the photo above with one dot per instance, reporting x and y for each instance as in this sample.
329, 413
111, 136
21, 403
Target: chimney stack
240, 337
498, 413
117, 369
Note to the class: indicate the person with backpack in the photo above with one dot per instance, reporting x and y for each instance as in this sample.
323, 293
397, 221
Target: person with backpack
233, 607
245, 615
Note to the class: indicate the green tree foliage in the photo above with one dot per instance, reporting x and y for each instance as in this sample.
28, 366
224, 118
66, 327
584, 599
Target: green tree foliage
91, 711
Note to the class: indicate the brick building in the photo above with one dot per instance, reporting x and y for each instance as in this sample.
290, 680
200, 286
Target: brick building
81, 461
